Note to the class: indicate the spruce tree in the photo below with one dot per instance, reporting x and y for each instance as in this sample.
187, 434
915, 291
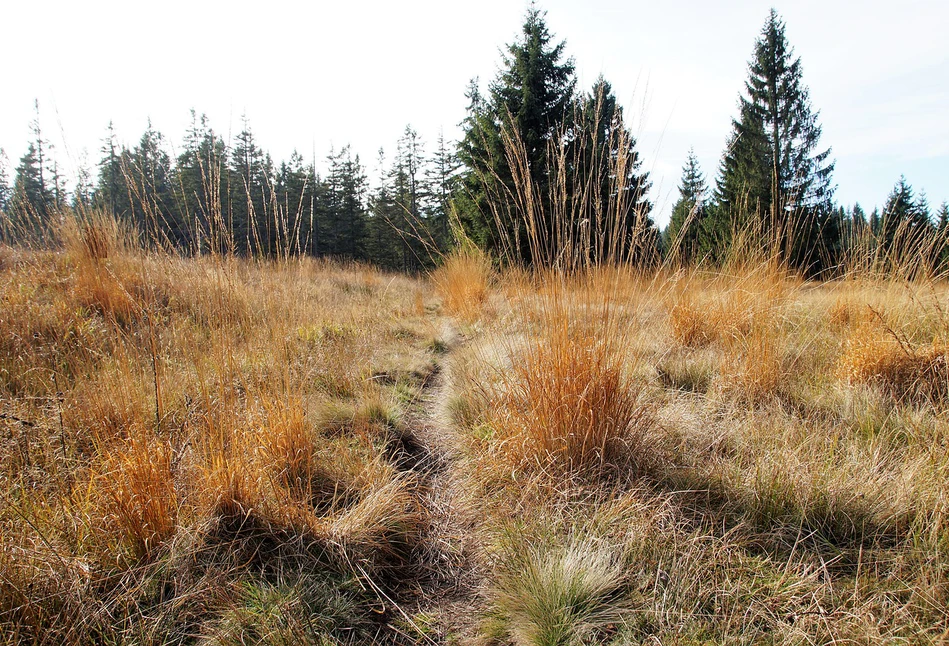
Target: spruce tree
249, 190
198, 181
5, 188
441, 175
529, 102
408, 193
343, 210
905, 230
82, 196
942, 231
34, 197
684, 233
857, 232
383, 240
112, 191
606, 189
32, 200
148, 172
774, 179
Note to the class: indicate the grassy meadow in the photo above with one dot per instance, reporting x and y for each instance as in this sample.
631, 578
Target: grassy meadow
218, 450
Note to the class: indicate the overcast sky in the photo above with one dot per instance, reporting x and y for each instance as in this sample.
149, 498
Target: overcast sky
314, 75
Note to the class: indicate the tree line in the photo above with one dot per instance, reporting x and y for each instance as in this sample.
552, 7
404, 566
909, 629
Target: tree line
543, 170
215, 197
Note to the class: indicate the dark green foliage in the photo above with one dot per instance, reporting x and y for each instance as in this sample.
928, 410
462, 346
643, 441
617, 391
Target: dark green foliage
441, 176
606, 181
197, 182
343, 227
683, 236
112, 191
35, 189
407, 211
942, 238
6, 191
774, 180
32, 200
906, 234
546, 169
291, 228
148, 176
875, 221
249, 191
82, 195
529, 100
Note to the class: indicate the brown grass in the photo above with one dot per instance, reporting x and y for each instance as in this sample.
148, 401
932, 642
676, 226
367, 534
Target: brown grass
625, 456
874, 354
462, 281
137, 493
162, 434
568, 406
752, 368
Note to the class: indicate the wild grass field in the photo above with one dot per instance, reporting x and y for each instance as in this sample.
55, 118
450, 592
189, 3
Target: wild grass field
232, 451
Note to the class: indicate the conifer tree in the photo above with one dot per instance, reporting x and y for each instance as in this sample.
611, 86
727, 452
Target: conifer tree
343, 209
684, 233
607, 191
942, 231
441, 175
383, 240
249, 187
856, 233
291, 231
33, 195
148, 173
774, 178
905, 229
529, 100
82, 196
408, 194
5, 189
197, 182
111, 190
32, 200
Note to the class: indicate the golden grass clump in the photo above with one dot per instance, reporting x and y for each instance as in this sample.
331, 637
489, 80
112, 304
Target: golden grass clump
136, 490
751, 368
462, 281
845, 312
569, 405
875, 354
692, 326
100, 250
716, 314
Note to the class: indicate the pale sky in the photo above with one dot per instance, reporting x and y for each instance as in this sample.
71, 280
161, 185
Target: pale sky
314, 75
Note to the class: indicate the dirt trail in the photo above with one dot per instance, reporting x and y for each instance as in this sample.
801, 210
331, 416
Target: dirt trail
442, 601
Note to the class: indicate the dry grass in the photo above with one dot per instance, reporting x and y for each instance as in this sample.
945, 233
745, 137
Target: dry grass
164, 438
220, 450
463, 281
137, 499
795, 451
568, 405
876, 354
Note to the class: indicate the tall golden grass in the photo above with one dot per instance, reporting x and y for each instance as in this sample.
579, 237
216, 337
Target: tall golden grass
769, 451
165, 438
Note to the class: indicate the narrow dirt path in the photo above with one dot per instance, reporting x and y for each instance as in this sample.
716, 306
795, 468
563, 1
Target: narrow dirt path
443, 600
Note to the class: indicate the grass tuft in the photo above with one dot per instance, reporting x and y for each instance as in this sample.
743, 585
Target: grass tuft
875, 354
462, 281
559, 596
